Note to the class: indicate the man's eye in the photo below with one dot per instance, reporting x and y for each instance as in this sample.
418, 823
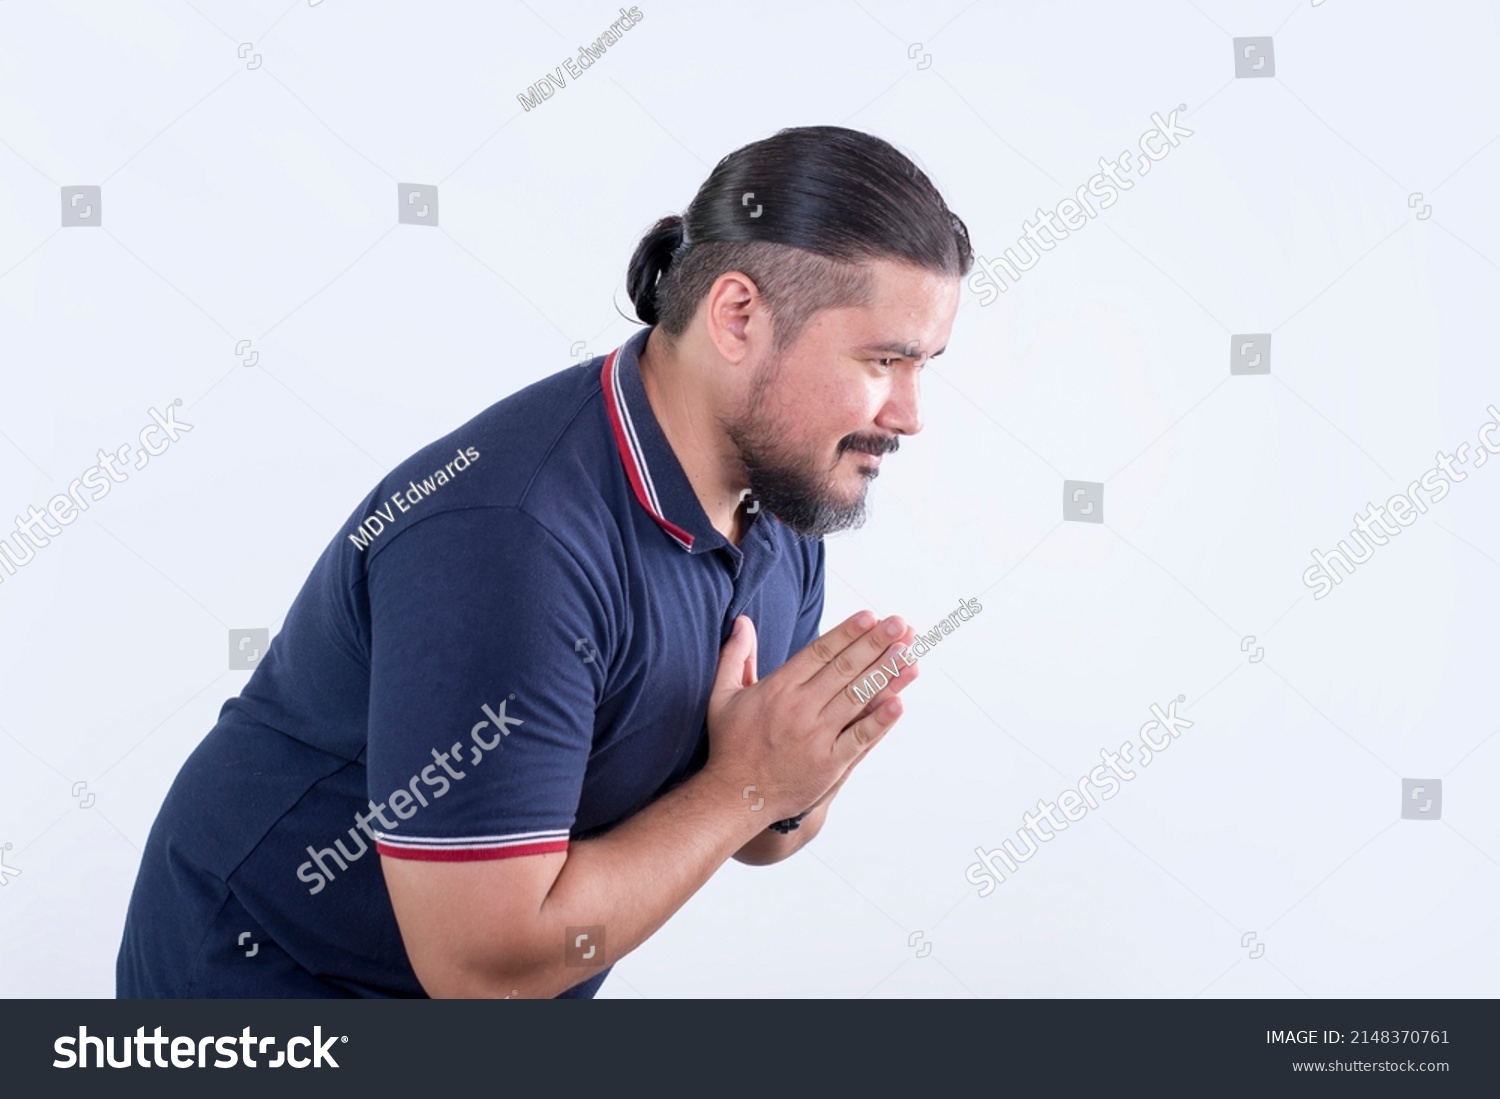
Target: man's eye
885, 362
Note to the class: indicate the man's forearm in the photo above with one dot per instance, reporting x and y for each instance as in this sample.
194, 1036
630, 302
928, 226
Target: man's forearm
632, 879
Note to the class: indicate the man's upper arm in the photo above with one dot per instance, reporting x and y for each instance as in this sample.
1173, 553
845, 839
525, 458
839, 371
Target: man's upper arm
480, 727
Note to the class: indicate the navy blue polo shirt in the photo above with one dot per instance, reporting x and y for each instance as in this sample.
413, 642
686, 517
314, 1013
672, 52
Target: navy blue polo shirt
507, 647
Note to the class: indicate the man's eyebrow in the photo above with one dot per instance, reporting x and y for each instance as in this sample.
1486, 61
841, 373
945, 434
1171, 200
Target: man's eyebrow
899, 349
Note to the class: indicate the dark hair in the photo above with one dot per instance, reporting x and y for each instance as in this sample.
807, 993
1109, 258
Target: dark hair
800, 213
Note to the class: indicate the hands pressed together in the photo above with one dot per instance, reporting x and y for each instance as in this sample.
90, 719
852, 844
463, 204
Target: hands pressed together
797, 734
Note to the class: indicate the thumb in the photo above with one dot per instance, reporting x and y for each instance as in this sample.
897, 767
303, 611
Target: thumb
737, 658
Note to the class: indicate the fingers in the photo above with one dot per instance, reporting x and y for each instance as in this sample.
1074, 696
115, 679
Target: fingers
861, 652
872, 664
867, 728
834, 789
752, 648
738, 657
865, 733
803, 666
901, 644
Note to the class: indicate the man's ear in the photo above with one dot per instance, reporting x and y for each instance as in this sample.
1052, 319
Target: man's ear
736, 317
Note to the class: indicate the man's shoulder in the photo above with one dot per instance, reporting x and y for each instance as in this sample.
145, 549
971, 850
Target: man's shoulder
554, 427
550, 420
543, 454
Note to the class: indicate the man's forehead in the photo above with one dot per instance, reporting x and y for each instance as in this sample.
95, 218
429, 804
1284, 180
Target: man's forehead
923, 298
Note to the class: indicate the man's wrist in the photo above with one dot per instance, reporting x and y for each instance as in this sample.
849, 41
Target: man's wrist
739, 799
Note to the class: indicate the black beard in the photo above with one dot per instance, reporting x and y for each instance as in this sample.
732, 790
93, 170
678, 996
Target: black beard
796, 493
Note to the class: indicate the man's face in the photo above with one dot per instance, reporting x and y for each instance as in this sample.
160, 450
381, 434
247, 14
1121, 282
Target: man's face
816, 420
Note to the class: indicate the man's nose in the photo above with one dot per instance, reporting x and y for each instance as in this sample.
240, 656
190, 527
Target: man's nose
902, 412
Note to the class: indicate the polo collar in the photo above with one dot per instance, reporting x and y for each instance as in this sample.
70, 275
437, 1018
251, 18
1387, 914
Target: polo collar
651, 466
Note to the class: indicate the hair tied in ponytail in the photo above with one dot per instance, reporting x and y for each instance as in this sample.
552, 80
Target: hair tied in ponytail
838, 199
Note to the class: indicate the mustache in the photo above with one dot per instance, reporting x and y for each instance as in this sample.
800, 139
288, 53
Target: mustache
877, 445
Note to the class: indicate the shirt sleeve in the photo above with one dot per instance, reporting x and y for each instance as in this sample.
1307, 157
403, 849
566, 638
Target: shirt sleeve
488, 644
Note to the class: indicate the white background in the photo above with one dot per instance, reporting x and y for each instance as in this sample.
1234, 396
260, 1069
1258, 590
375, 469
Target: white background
260, 204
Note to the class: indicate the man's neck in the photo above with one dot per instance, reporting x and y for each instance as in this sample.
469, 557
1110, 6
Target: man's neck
691, 425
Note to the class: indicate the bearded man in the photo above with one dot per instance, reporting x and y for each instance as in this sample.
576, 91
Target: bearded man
563, 663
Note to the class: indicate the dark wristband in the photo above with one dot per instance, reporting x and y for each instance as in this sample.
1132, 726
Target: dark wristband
785, 826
